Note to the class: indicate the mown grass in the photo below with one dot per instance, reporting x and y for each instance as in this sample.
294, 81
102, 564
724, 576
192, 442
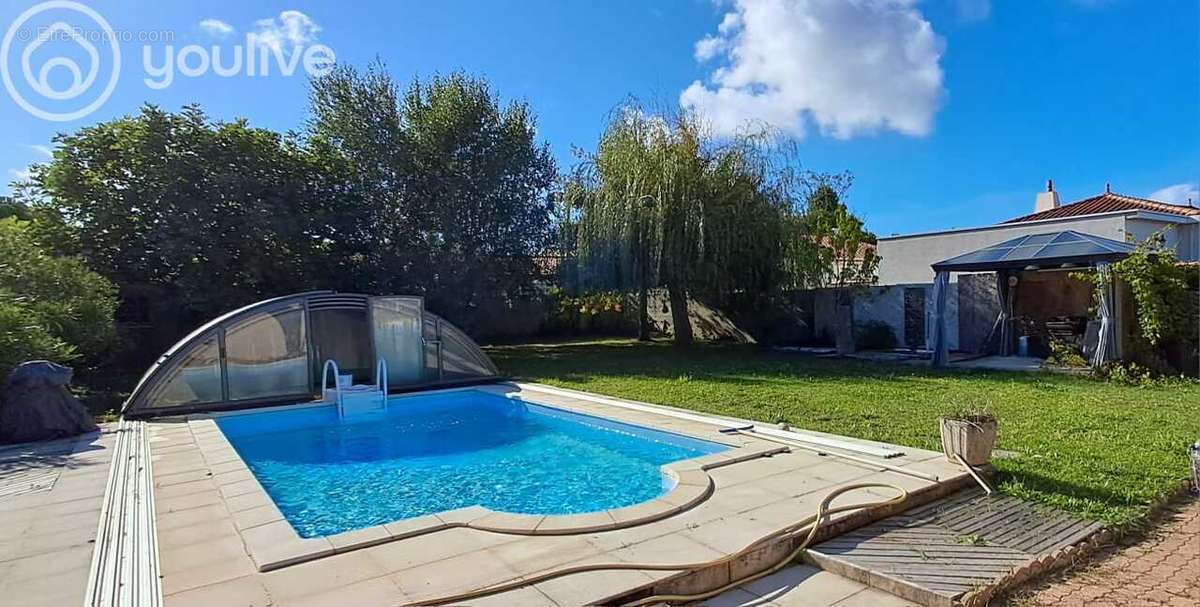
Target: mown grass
1101, 450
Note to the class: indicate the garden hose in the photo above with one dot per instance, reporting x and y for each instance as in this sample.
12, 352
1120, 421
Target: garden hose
812, 524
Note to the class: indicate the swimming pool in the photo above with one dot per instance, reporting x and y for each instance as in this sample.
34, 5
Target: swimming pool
439, 452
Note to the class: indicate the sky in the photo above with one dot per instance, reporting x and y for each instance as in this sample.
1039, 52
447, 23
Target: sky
949, 113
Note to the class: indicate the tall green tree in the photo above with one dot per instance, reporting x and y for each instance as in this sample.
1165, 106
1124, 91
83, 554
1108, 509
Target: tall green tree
9, 207
662, 202
217, 212
450, 183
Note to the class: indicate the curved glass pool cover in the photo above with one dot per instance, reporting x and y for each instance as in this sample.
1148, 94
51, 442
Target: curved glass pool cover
273, 352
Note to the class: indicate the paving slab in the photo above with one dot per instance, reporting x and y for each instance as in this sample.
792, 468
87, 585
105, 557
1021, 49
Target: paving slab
805, 586
47, 528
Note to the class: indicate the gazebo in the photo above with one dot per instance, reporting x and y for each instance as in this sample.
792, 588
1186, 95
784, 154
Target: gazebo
1051, 250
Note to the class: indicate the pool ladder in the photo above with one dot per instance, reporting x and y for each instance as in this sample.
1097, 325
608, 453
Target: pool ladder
357, 398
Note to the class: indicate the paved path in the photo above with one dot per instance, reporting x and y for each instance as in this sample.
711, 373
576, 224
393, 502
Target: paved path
806, 586
1162, 569
47, 530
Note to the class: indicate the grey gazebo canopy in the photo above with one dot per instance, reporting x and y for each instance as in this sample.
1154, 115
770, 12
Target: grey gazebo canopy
1049, 250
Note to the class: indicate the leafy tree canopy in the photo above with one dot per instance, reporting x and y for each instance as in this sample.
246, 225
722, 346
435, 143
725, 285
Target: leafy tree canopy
9, 207
50, 307
219, 212
831, 247
1164, 296
451, 184
439, 190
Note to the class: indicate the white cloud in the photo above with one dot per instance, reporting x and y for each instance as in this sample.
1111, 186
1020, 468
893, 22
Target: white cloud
287, 31
1179, 193
711, 46
216, 27
43, 150
970, 11
20, 174
850, 67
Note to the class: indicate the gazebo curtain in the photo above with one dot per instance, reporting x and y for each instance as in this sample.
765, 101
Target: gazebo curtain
1106, 338
1005, 293
941, 346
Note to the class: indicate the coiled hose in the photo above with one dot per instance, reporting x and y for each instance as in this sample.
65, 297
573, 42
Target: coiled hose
812, 524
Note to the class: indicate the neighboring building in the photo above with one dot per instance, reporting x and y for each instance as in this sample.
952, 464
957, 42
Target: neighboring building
1057, 306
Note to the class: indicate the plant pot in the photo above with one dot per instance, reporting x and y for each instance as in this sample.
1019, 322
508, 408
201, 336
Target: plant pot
970, 438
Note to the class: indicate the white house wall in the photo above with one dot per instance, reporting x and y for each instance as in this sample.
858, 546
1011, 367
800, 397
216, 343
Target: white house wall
1180, 236
906, 259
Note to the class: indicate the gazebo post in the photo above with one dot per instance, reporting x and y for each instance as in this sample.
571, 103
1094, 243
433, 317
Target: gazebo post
1004, 291
941, 346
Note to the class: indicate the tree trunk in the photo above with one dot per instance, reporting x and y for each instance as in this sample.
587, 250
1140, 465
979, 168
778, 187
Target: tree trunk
643, 315
844, 323
679, 315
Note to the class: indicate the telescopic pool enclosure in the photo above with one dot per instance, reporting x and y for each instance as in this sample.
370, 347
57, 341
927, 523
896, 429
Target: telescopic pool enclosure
275, 352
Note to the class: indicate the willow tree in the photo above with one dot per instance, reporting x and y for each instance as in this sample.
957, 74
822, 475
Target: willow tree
662, 204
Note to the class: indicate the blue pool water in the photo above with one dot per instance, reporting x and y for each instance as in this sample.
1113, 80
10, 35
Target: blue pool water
439, 452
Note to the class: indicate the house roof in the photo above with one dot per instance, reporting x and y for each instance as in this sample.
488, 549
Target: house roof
1050, 249
1108, 202
863, 247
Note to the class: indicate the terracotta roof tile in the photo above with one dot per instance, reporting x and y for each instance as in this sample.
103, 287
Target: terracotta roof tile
1108, 202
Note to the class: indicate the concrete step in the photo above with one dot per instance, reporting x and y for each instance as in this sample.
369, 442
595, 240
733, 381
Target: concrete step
942, 553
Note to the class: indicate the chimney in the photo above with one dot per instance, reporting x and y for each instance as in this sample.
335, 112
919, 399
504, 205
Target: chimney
1046, 200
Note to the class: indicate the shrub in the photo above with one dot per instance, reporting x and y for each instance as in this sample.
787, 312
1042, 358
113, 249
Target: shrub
22, 338
50, 307
1063, 354
875, 335
597, 313
1166, 307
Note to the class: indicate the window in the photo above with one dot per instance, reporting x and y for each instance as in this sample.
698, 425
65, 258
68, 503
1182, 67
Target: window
267, 355
196, 379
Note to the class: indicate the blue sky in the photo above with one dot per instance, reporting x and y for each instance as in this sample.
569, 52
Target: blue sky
950, 113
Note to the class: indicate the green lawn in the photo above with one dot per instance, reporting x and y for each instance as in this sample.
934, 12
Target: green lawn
1101, 450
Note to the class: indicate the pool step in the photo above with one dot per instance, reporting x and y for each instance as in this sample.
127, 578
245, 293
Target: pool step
955, 550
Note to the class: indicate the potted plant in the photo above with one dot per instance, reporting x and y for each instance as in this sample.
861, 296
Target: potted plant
970, 435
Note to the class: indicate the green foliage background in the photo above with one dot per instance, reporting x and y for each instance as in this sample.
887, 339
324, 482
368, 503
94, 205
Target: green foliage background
51, 308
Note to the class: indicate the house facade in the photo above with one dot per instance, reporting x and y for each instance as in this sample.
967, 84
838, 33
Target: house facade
1050, 303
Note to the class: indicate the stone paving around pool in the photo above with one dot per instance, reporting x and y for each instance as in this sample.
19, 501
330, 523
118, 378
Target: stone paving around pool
47, 529
205, 525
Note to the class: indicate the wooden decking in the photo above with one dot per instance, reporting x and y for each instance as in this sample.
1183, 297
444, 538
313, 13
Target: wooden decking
938, 553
